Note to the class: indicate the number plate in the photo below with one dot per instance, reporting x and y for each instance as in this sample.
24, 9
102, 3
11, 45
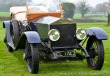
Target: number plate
69, 53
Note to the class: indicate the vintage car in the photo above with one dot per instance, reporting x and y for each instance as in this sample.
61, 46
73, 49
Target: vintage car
41, 30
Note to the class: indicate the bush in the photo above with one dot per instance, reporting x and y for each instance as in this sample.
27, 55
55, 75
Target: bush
69, 9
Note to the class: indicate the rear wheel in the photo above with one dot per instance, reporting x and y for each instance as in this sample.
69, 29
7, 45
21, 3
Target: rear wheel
15, 32
32, 57
96, 51
10, 49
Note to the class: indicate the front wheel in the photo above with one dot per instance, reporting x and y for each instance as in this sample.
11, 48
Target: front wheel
96, 51
32, 57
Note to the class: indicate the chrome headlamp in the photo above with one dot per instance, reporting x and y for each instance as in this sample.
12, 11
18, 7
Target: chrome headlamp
54, 35
81, 34
25, 22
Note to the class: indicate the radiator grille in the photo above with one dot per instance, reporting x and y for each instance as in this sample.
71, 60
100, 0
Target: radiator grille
67, 35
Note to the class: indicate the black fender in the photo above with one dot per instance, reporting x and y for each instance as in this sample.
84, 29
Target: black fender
30, 36
7, 26
6, 23
99, 33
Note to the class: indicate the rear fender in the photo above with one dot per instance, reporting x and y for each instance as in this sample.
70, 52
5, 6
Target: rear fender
7, 25
97, 32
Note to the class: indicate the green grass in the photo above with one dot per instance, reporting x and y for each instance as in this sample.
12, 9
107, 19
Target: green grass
4, 14
77, 16
100, 18
92, 16
12, 64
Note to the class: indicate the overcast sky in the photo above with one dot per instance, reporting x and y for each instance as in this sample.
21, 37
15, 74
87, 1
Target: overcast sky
91, 2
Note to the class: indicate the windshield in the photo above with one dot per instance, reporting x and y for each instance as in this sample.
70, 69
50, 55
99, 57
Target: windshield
44, 6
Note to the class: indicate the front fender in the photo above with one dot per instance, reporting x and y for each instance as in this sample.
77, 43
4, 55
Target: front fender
30, 36
99, 33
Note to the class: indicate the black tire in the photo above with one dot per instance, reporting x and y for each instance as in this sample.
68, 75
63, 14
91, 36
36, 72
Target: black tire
10, 49
15, 32
32, 57
96, 51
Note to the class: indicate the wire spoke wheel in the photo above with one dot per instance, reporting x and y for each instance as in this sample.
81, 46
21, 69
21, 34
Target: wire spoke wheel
32, 57
96, 51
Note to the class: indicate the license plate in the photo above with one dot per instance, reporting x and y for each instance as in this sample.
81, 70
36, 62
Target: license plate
69, 53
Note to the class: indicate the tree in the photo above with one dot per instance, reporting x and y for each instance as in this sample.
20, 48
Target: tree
69, 9
83, 7
109, 14
102, 8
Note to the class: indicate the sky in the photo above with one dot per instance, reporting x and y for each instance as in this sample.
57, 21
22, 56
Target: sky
91, 2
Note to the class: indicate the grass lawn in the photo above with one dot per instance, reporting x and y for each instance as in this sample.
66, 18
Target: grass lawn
100, 18
12, 64
4, 14
77, 16
92, 16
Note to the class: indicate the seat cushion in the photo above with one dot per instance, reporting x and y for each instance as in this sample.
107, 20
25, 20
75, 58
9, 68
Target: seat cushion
19, 12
